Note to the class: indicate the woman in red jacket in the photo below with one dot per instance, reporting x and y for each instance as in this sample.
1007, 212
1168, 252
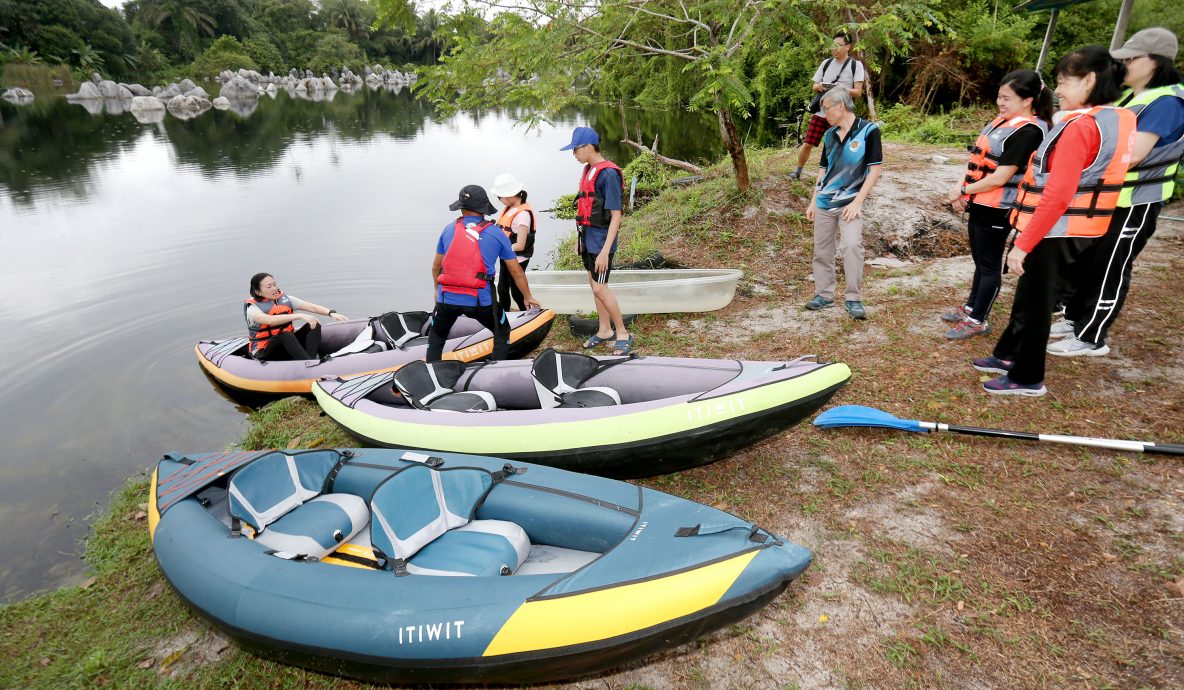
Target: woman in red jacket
1064, 204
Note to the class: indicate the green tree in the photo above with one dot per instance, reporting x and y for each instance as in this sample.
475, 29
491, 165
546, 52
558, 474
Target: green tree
334, 50
278, 17
264, 53
523, 65
180, 22
225, 53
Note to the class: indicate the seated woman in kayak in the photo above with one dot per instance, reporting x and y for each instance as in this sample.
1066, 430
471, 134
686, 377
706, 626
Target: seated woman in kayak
270, 315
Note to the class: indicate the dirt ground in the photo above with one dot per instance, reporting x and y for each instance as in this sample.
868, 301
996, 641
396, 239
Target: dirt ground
941, 560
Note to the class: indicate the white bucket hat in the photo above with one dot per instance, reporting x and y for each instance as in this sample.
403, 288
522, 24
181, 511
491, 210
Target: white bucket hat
507, 185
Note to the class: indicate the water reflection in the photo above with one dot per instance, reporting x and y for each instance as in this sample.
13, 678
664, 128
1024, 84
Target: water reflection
122, 244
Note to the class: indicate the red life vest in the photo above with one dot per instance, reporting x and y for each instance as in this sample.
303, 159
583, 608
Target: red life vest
259, 334
590, 211
507, 216
985, 155
463, 266
1101, 183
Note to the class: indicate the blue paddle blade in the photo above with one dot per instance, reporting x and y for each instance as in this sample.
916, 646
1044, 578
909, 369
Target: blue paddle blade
858, 415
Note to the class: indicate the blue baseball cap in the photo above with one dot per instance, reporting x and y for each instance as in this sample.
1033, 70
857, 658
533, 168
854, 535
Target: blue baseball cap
582, 137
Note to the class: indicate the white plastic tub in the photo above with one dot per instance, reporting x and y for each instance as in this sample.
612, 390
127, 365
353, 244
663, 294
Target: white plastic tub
658, 291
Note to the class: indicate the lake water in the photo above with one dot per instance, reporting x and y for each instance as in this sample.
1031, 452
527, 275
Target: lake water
122, 244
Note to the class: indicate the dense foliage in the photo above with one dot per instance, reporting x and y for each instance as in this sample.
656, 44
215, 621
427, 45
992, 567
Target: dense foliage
155, 40
740, 58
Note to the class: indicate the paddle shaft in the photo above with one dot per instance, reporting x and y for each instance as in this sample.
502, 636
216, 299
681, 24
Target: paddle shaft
1110, 443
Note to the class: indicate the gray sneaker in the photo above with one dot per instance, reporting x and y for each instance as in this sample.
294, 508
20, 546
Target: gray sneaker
856, 310
1072, 347
967, 330
819, 302
1062, 328
957, 316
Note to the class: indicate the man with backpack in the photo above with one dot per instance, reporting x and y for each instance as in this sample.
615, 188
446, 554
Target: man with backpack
467, 254
838, 70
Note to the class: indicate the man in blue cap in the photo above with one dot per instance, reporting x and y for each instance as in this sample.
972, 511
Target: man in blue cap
467, 255
598, 220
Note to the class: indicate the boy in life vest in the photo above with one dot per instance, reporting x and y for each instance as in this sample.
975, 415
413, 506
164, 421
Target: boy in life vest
598, 222
467, 254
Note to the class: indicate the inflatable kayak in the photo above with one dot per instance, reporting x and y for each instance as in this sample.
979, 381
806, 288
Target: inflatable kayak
413, 568
618, 417
382, 343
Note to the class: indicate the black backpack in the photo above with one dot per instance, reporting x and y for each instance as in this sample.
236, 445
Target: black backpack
816, 102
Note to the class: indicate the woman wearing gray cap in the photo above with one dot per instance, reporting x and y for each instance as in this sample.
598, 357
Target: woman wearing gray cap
1157, 97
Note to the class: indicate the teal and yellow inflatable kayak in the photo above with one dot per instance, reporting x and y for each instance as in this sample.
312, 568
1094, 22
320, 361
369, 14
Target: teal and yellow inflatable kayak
407, 567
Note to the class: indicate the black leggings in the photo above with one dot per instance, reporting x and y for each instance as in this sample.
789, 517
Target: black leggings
303, 343
1026, 336
506, 288
987, 244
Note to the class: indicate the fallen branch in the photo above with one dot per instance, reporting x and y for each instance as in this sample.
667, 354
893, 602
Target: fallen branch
672, 162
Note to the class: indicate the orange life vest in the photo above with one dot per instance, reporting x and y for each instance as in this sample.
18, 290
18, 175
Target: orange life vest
590, 211
507, 216
1093, 204
259, 334
463, 265
985, 155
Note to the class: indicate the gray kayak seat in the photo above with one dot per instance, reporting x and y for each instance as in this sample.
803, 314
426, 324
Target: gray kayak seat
423, 525
279, 496
391, 330
400, 327
433, 387
559, 381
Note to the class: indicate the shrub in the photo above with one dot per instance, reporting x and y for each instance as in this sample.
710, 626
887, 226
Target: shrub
225, 53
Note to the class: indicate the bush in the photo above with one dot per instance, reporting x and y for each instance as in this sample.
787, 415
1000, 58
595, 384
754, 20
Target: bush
333, 51
225, 53
265, 54
906, 123
58, 43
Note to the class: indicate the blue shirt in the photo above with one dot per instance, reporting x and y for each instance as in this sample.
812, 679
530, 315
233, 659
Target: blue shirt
608, 185
845, 163
494, 245
1163, 117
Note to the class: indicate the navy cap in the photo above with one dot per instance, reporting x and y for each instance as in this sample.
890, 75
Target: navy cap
473, 198
582, 137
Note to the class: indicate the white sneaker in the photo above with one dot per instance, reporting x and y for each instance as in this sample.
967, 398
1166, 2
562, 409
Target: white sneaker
1061, 328
1072, 347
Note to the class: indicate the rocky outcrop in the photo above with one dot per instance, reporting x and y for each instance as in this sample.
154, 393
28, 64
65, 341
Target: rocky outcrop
18, 96
187, 107
167, 93
239, 88
144, 104
221, 103
87, 91
137, 90
196, 92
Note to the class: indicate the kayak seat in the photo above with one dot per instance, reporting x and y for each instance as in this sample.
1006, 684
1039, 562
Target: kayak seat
433, 387
559, 379
423, 525
400, 328
279, 497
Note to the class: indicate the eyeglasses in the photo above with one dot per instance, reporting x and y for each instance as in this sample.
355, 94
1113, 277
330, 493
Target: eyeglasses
1127, 61
826, 108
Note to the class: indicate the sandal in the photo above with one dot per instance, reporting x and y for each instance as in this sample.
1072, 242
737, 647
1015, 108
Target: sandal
622, 347
595, 340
